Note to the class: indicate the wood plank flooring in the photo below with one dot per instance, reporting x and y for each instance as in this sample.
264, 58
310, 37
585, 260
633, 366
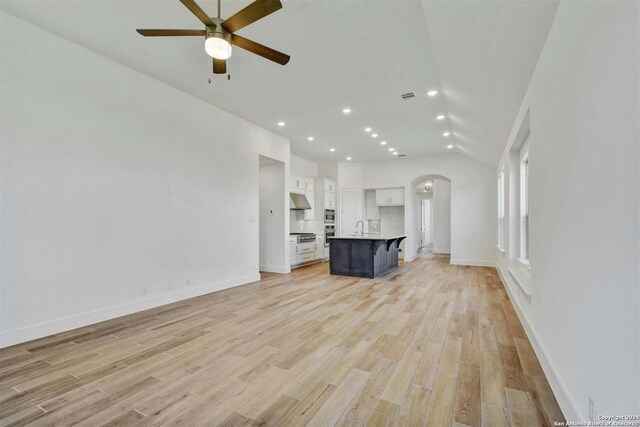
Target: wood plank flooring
430, 344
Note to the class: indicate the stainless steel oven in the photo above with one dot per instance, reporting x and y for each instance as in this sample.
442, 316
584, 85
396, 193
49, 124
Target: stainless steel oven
329, 216
329, 231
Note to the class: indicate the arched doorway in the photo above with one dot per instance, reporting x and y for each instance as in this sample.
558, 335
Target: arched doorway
429, 216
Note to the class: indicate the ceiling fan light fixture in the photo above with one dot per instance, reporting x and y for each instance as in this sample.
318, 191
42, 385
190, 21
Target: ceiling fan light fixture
217, 46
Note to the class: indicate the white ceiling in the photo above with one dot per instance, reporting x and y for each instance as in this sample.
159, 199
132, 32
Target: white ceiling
360, 54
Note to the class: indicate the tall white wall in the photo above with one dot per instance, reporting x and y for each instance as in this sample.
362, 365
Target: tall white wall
441, 216
582, 313
119, 193
272, 218
303, 167
473, 237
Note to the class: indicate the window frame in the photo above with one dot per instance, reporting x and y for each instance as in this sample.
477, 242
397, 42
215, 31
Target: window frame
524, 214
501, 210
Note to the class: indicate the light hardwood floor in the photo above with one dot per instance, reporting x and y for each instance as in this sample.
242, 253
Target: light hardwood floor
428, 345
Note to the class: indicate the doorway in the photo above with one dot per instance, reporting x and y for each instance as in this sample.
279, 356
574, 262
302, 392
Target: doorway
272, 216
429, 223
426, 226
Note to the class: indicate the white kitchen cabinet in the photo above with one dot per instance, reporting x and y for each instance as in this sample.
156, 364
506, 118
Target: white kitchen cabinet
329, 200
309, 184
297, 183
382, 197
306, 257
306, 248
329, 185
396, 196
293, 254
390, 197
306, 252
319, 248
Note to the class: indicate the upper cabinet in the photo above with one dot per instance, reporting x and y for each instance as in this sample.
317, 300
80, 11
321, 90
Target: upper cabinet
329, 185
297, 184
326, 194
390, 197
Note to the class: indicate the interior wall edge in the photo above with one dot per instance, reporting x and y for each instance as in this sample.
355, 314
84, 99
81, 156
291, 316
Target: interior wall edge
561, 392
64, 324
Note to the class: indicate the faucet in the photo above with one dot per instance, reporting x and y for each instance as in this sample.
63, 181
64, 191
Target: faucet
362, 229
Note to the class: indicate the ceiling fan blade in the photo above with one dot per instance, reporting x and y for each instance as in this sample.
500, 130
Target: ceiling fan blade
170, 33
256, 10
258, 49
219, 66
196, 10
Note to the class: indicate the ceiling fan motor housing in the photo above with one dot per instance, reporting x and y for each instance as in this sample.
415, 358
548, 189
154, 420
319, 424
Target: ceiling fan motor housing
217, 30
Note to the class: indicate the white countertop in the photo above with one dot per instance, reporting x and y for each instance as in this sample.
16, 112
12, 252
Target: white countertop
369, 236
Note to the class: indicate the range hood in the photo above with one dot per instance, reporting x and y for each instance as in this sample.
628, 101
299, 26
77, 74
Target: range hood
299, 202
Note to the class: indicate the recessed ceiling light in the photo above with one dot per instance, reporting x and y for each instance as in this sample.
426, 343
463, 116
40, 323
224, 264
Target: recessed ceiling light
440, 117
450, 146
332, 149
310, 138
383, 143
367, 129
349, 158
374, 135
281, 124
346, 110
432, 93
446, 134
392, 149
395, 153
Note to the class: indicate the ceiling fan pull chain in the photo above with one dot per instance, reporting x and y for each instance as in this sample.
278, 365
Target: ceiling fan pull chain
219, 8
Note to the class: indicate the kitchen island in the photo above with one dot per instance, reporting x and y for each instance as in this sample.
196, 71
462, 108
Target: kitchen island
363, 254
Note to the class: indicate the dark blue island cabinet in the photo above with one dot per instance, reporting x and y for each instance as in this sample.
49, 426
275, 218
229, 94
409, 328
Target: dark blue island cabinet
363, 255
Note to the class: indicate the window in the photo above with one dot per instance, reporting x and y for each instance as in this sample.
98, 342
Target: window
524, 208
501, 188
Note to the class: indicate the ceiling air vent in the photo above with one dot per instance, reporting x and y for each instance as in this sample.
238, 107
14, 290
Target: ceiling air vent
402, 155
408, 95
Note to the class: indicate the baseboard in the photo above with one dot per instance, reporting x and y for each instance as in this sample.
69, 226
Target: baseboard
43, 329
441, 251
410, 258
275, 269
567, 405
472, 262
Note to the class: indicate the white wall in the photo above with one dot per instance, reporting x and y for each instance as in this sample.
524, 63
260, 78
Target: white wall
272, 218
119, 193
583, 311
473, 237
303, 167
442, 216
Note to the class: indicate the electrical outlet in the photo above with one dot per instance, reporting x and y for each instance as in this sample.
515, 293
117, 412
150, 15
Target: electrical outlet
145, 292
592, 411
145, 187
188, 282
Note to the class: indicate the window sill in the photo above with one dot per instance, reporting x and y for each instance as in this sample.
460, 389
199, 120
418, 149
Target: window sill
525, 263
522, 276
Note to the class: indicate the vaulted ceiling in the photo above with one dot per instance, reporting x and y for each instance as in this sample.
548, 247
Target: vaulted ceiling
478, 55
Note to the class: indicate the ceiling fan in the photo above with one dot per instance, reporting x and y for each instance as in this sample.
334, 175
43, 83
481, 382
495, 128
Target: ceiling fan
220, 34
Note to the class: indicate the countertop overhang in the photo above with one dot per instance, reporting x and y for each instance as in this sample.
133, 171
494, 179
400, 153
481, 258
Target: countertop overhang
369, 236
